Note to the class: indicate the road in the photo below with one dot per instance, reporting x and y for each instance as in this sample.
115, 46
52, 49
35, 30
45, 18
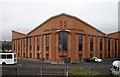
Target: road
29, 67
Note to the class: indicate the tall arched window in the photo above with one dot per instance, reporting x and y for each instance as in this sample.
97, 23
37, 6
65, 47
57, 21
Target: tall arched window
63, 40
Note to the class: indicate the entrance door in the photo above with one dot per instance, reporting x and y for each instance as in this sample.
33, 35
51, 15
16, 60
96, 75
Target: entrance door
38, 55
30, 55
108, 55
100, 56
47, 56
91, 55
80, 56
115, 55
24, 54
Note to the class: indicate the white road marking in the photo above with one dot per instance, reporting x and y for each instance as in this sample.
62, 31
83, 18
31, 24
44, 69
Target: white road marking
19, 64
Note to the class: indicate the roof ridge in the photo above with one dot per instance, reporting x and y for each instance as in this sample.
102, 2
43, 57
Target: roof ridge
69, 16
113, 32
18, 32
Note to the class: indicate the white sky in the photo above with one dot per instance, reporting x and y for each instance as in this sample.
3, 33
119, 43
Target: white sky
25, 15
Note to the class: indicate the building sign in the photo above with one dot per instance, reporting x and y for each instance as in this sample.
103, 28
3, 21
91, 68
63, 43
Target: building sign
71, 29
63, 27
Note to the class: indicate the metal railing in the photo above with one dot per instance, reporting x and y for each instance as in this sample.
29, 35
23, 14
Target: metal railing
54, 71
41, 71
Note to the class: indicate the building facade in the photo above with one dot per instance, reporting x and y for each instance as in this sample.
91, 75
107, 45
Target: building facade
65, 36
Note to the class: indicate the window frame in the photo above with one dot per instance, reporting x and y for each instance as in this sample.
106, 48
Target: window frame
80, 38
38, 43
14, 45
109, 45
19, 44
8, 56
5, 56
63, 41
47, 42
25, 41
101, 46
91, 43
115, 45
30, 44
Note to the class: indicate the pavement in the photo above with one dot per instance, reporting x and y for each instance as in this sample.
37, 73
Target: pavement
30, 67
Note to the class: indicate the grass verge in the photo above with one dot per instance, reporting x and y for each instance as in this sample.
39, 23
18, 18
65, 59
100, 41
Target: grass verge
79, 72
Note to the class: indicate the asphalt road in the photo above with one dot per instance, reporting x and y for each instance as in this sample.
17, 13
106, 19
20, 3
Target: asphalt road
29, 67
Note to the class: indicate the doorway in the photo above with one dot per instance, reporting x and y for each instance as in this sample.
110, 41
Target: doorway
38, 56
47, 56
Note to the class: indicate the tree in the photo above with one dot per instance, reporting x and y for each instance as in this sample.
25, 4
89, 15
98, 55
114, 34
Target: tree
6, 45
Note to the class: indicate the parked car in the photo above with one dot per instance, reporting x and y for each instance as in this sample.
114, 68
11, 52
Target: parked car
97, 60
93, 60
89, 60
115, 69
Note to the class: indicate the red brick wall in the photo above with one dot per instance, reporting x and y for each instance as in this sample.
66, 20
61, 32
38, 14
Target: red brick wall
76, 27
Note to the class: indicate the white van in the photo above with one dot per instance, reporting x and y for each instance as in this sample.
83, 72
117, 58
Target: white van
115, 69
8, 58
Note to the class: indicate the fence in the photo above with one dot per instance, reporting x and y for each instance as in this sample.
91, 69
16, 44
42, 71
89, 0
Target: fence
41, 71
9, 70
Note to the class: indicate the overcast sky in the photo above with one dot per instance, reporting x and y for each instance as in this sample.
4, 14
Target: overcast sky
25, 15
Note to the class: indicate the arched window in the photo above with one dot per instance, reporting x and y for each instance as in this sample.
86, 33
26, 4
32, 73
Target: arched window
63, 40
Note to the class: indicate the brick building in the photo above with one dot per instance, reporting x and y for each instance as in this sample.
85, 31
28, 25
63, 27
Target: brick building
65, 36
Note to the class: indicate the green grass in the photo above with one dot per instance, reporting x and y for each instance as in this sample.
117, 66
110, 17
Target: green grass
82, 72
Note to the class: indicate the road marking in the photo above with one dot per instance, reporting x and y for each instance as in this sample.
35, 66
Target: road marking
19, 64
